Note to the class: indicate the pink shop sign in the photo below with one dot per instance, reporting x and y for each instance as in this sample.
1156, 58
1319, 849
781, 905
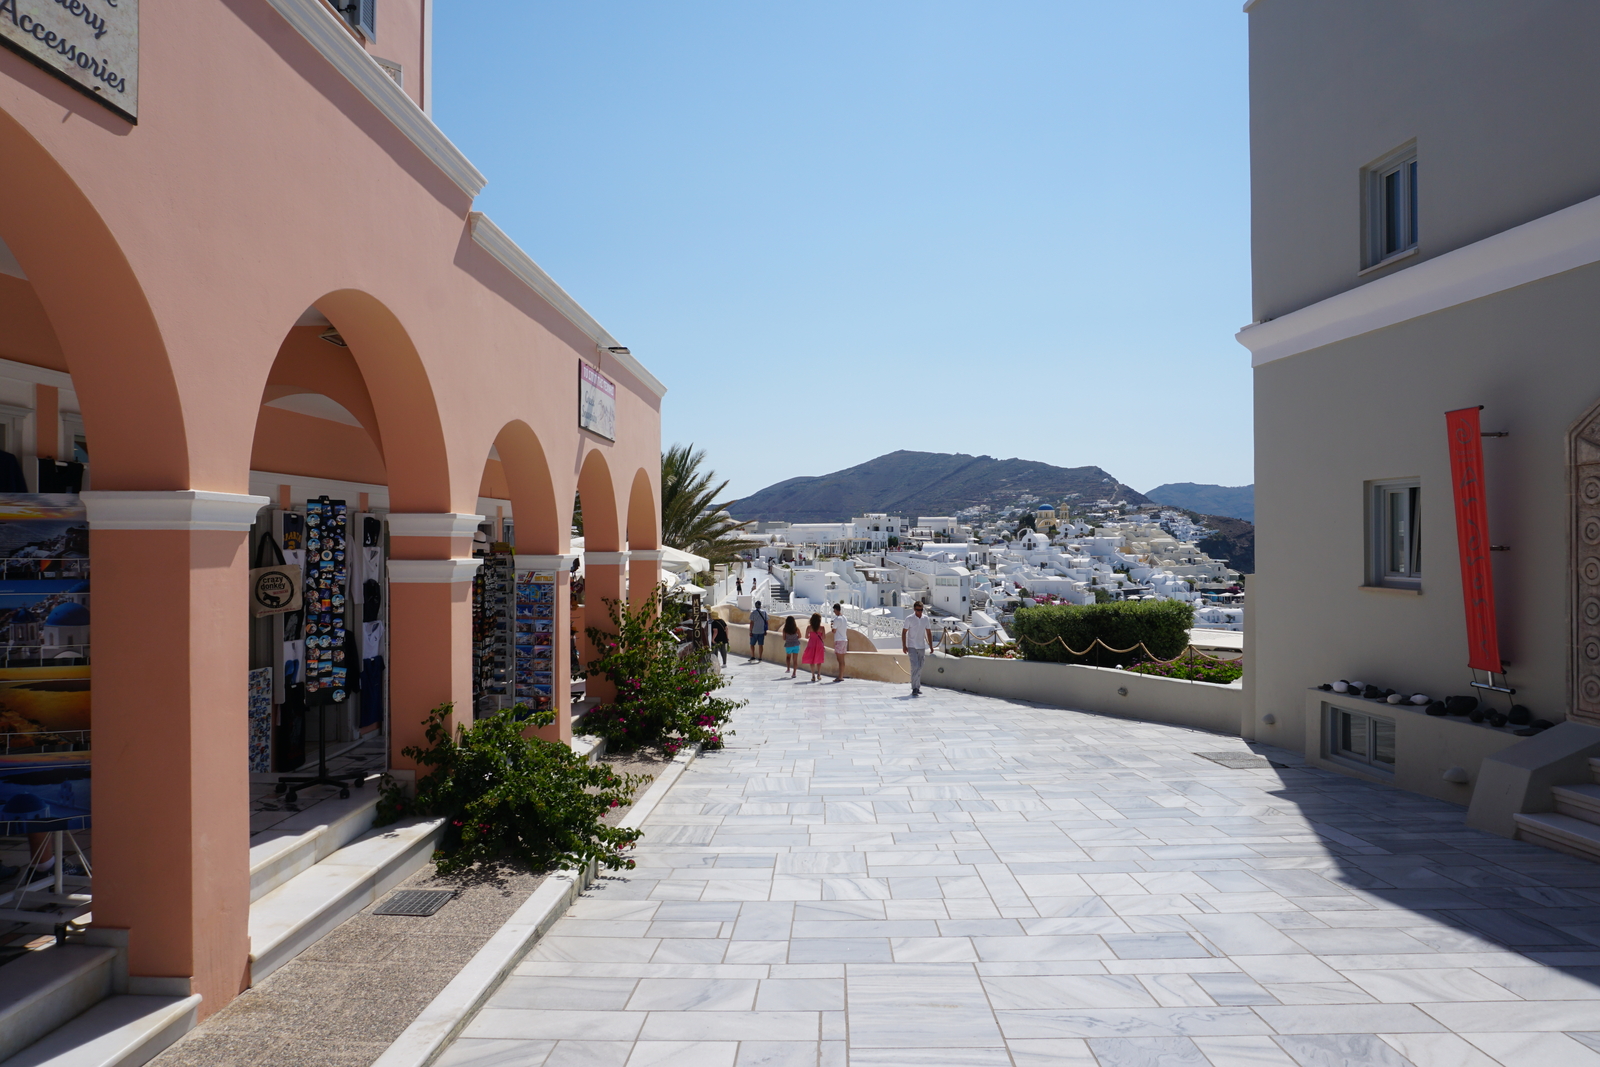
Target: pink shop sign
92, 45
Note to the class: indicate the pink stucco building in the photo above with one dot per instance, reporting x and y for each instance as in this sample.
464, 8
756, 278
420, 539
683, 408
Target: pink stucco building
259, 270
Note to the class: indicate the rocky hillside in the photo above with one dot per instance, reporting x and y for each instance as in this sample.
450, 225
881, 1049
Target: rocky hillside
1234, 501
1234, 541
927, 483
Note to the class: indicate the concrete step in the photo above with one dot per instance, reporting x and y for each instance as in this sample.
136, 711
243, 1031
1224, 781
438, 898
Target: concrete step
1594, 769
122, 1031
1560, 832
290, 918
41, 990
1578, 801
306, 838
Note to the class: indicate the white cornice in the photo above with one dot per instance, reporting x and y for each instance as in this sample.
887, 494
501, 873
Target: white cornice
432, 524
327, 35
645, 555
27, 372
493, 240
432, 571
181, 509
605, 559
1560, 241
561, 562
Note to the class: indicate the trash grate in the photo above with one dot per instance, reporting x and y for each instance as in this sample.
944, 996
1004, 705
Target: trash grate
1240, 761
418, 902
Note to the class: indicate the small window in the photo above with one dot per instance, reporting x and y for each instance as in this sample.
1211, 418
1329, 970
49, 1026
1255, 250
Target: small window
1390, 207
1363, 739
1396, 534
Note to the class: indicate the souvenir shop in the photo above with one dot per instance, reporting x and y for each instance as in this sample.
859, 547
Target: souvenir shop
318, 639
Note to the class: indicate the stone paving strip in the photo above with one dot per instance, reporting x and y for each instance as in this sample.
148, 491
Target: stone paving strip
376, 986
861, 878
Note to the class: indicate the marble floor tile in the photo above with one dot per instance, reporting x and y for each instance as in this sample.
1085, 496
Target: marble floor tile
862, 880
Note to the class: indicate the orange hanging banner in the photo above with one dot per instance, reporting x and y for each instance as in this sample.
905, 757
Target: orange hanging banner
1472, 540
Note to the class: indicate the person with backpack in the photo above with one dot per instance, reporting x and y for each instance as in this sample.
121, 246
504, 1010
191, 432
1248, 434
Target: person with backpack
758, 632
719, 639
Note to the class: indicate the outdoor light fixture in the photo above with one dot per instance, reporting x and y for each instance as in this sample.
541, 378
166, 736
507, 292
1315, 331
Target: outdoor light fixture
333, 337
618, 350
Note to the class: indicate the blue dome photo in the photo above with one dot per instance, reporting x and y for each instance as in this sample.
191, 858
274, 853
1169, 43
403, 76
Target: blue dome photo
68, 614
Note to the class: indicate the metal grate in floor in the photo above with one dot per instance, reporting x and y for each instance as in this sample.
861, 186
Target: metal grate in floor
418, 902
1240, 761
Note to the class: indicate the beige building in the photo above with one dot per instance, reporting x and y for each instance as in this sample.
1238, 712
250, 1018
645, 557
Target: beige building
1426, 237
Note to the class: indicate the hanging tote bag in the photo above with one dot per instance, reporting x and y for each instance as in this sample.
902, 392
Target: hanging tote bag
274, 588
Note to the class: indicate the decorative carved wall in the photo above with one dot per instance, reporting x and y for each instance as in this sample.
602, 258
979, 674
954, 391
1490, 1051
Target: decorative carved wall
1586, 567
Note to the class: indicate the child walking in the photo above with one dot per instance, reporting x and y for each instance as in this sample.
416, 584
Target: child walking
791, 646
814, 648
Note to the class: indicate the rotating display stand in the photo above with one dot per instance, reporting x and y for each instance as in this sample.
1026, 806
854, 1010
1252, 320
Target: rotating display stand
328, 644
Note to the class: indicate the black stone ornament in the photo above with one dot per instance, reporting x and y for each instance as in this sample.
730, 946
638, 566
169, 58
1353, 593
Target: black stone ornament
1460, 705
1541, 724
1372, 692
1496, 719
1437, 708
1476, 714
1520, 716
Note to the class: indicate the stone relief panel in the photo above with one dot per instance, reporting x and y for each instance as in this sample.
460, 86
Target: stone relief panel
1586, 569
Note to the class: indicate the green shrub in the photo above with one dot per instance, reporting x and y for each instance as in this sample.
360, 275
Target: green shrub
506, 797
664, 701
1198, 669
1162, 626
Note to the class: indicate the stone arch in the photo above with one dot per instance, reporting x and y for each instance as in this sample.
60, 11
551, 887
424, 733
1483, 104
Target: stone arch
602, 529
644, 515
409, 431
122, 371
1584, 464
533, 495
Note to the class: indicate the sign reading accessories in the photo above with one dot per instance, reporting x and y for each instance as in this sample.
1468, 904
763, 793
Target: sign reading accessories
597, 401
92, 45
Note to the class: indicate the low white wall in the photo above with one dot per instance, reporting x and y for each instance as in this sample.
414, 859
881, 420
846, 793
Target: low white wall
1146, 697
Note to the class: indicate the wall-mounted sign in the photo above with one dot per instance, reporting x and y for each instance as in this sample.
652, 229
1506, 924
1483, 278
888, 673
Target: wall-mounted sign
92, 45
597, 400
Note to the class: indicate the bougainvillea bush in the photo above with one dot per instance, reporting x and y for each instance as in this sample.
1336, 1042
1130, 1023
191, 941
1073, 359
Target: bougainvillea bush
510, 798
664, 700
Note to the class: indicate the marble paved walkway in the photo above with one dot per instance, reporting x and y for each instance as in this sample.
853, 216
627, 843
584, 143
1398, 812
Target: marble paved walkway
865, 879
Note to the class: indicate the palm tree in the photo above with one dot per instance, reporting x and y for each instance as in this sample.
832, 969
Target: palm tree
690, 518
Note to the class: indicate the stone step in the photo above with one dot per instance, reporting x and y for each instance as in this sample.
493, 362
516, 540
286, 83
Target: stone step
1578, 801
125, 1031
306, 838
296, 914
1594, 769
41, 990
1560, 832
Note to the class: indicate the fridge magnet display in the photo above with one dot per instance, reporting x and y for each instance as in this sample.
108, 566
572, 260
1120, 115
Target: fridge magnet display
260, 703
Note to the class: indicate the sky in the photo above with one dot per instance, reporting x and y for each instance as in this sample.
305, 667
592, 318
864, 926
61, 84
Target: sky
835, 230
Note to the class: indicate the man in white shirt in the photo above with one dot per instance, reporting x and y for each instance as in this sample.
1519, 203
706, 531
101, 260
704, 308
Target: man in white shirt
841, 638
916, 637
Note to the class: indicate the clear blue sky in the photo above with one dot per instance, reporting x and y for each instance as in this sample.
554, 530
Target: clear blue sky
840, 229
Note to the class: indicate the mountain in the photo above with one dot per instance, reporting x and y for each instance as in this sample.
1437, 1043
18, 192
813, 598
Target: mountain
1234, 501
913, 484
1234, 541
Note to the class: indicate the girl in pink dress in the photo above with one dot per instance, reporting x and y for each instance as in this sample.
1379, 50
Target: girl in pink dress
813, 655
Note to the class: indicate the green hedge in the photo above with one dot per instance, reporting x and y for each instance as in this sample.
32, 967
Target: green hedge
1162, 625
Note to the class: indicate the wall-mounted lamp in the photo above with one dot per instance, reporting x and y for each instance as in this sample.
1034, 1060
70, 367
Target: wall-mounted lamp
619, 350
333, 337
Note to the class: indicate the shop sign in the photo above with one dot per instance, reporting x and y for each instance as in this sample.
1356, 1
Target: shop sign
92, 45
597, 401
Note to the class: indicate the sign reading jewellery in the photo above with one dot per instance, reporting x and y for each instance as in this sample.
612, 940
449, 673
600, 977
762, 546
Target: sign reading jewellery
93, 45
597, 401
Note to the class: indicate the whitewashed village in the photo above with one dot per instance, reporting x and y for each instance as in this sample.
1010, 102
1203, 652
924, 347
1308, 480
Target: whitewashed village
974, 570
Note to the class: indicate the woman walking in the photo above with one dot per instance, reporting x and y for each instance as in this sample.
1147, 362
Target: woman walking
719, 639
814, 647
791, 646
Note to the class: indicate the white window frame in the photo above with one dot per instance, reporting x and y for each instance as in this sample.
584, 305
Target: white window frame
1390, 502
15, 440
1370, 729
1389, 190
